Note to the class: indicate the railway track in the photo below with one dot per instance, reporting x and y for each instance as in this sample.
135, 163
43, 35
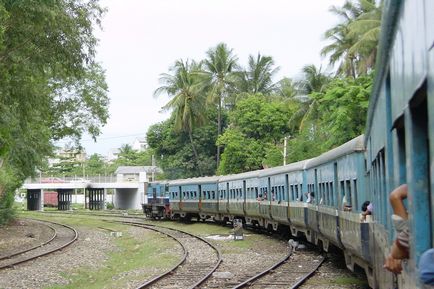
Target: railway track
200, 259
63, 236
290, 273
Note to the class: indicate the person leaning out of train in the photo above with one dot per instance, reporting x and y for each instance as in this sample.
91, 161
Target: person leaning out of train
310, 197
400, 247
366, 210
345, 205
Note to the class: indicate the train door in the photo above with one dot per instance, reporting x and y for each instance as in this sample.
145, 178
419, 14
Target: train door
228, 197
418, 171
200, 198
286, 192
181, 198
244, 196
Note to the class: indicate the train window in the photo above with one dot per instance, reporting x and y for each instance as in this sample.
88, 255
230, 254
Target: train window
291, 190
332, 195
356, 199
348, 193
301, 193
343, 193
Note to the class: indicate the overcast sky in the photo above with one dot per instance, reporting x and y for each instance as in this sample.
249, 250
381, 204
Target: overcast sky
141, 39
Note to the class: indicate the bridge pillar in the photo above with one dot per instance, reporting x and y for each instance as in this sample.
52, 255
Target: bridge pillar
105, 199
35, 200
64, 198
96, 199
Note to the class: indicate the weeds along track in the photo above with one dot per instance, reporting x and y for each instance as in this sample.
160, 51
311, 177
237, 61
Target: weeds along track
62, 236
199, 261
291, 272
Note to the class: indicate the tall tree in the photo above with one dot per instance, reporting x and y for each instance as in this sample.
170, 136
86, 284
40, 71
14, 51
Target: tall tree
187, 103
50, 85
219, 69
313, 80
258, 76
354, 40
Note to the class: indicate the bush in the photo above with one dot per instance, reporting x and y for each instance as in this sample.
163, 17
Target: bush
7, 211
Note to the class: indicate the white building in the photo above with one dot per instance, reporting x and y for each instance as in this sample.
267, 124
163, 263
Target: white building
139, 144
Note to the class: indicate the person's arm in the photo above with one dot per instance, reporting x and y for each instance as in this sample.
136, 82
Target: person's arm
396, 200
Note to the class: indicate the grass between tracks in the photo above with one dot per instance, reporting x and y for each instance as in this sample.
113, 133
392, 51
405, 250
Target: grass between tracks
134, 260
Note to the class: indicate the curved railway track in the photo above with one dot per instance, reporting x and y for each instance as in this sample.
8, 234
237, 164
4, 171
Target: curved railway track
200, 259
63, 236
291, 272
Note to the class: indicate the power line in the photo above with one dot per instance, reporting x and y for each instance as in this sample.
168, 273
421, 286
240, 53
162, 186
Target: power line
109, 137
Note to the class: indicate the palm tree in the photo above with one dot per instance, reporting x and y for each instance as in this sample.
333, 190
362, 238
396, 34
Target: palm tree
219, 70
366, 30
187, 102
257, 78
314, 80
355, 39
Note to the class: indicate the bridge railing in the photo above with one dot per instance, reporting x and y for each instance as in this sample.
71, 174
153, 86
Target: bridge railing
86, 179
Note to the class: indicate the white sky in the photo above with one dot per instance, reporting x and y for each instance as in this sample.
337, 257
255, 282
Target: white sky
141, 39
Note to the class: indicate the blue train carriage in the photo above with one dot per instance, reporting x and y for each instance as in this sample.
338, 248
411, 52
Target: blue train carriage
208, 202
232, 196
187, 200
158, 203
400, 133
282, 183
238, 197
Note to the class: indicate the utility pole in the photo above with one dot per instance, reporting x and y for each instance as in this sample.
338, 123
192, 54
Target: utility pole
153, 168
285, 144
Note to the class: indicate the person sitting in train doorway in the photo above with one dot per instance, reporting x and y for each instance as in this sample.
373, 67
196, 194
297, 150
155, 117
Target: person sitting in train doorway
310, 197
400, 247
366, 210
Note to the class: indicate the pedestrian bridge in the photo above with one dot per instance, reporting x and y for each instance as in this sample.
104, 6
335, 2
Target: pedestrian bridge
127, 194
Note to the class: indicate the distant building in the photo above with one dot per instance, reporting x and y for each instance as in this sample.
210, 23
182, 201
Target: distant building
63, 155
112, 155
134, 173
139, 144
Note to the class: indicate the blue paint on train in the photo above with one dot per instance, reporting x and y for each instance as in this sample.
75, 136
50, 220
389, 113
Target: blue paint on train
398, 148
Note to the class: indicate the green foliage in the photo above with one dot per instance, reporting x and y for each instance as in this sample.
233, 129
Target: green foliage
261, 119
50, 85
241, 153
343, 109
258, 126
176, 157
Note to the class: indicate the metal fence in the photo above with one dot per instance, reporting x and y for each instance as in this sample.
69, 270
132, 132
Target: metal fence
85, 179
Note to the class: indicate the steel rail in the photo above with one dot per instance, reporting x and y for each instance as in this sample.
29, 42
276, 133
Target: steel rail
308, 275
266, 271
49, 251
158, 277
32, 248
153, 227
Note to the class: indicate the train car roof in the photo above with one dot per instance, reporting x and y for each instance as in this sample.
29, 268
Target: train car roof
298, 166
194, 181
162, 182
389, 24
245, 175
354, 145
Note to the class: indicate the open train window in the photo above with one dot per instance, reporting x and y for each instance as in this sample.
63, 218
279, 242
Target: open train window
356, 201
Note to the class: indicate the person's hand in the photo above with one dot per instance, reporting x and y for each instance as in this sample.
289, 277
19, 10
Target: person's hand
393, 265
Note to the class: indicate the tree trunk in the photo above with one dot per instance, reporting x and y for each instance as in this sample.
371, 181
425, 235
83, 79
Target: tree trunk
195, 152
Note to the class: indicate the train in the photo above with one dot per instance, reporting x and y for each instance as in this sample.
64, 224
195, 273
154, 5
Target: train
397, 148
